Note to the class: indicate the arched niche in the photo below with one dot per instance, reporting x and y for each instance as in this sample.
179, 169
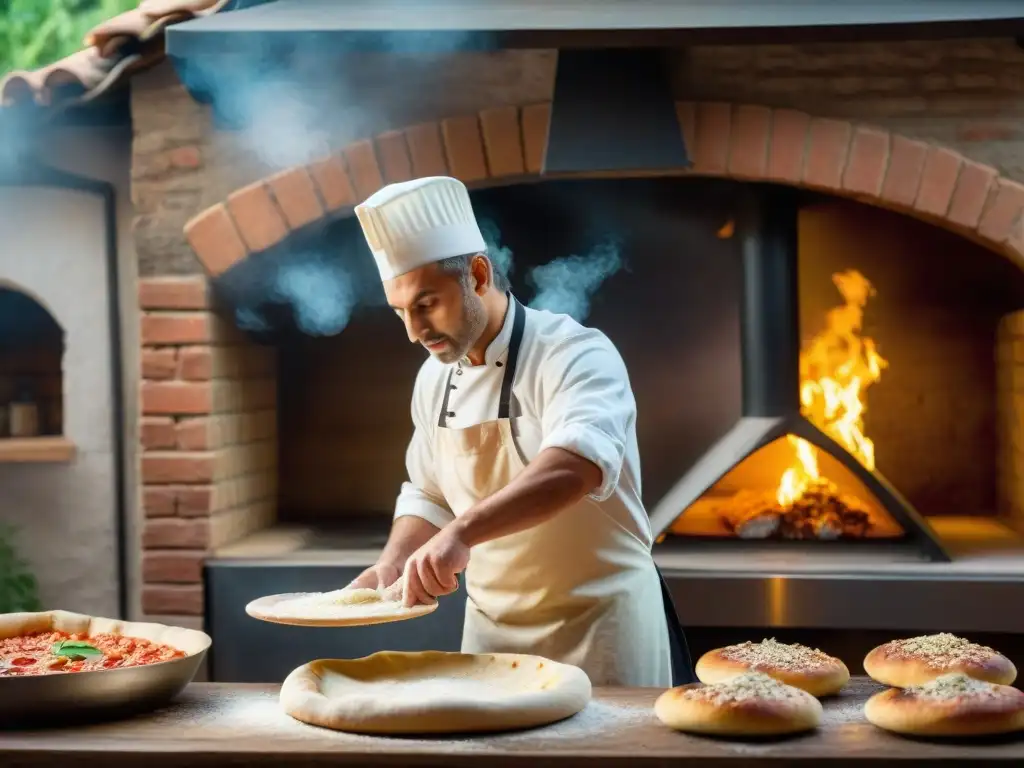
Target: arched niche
31, 379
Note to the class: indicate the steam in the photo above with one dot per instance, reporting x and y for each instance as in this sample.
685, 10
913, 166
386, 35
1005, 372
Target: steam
301, 112
318, 289
321, 292
276, 123
310, 103
500, 255
567, 284
22, 133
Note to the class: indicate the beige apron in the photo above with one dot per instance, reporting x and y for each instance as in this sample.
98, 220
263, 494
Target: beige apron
579, 588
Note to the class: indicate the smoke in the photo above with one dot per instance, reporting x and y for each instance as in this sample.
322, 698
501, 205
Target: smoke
294, 108
321, 292
316, 290
567, 284
278, 122
500, 255
23, 135
289, 109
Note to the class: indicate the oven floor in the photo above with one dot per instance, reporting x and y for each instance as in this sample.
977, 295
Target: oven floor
980, 546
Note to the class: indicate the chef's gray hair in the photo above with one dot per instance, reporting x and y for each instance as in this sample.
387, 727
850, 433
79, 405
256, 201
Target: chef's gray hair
459, 266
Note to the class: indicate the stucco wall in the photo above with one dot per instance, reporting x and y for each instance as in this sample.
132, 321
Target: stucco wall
104, 154
54, 249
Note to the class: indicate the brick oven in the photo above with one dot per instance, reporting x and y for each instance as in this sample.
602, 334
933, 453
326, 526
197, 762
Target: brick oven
269, 461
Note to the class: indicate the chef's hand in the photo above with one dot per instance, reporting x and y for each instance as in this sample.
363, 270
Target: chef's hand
378, 576
434, 568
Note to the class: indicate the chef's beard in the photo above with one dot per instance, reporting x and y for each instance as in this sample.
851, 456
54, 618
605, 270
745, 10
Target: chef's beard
474, 321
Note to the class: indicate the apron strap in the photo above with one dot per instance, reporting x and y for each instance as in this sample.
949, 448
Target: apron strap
442, 419
515, 341
518, 323
682, 665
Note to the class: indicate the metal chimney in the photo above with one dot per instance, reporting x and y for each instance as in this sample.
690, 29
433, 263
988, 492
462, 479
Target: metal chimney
613, 110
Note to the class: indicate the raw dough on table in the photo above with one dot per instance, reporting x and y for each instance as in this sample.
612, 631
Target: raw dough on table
342, 607
434, 692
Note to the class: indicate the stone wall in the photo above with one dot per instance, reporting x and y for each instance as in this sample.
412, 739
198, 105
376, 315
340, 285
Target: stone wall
935, 129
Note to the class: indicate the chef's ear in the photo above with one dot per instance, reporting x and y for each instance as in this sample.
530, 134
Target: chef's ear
478, 271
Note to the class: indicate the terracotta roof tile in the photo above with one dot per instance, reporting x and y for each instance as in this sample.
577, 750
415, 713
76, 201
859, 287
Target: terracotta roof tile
107, 59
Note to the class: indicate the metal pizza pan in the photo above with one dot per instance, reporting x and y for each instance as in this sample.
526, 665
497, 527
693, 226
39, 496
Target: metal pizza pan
62, 698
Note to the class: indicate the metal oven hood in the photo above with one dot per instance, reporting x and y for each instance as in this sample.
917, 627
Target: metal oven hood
613, 111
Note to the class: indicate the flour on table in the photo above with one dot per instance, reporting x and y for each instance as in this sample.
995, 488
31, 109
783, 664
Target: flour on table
260, 713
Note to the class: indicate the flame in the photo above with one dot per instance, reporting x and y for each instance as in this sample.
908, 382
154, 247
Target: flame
836, 368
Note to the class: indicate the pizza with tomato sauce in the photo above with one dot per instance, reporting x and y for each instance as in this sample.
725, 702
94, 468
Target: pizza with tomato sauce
53, 652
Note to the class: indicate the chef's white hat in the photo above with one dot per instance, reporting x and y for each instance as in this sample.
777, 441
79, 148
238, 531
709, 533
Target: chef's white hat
417, 222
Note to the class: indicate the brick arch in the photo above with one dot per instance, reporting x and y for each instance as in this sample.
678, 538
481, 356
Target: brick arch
505, 145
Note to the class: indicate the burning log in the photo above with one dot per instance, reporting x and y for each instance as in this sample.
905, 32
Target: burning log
821, 512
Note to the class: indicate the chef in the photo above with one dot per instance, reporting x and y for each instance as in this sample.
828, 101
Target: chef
523, 467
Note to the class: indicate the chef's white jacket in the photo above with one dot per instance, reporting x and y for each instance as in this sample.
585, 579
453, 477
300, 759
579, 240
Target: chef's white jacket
571, 391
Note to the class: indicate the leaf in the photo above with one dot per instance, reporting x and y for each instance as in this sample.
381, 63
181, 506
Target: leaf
18, 586
76, 649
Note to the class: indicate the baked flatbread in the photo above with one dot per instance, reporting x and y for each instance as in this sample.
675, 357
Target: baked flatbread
917, 660
434, 692
806, 668
341, 608
751, 704
950, 705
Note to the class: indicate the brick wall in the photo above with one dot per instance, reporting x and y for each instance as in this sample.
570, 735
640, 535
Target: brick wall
208, 434
967, 96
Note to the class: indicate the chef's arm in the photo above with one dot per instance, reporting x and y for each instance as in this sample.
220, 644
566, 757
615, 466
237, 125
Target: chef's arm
587, 409
555, 480
408, 533
421, 509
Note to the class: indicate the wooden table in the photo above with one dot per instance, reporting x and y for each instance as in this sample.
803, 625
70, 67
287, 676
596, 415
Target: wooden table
235, 725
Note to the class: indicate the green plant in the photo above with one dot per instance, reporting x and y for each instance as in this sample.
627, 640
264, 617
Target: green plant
19, 590
34, 33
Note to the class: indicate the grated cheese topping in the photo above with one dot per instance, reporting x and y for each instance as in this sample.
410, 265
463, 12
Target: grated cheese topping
751, 686
772, 654
340, 602
954, 686
941, 650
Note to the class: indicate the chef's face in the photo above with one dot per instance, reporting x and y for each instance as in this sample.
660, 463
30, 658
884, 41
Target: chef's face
441, 310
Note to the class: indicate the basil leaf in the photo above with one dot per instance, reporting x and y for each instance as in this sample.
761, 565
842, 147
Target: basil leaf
76, 649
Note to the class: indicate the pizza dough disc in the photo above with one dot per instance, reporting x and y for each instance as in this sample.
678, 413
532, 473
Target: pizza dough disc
751, 704
918, 660
340, 608
806, 668
950, 705
434, 692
